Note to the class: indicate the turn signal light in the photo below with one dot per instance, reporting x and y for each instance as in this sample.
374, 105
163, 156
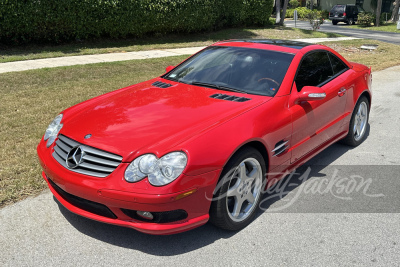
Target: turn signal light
188, 193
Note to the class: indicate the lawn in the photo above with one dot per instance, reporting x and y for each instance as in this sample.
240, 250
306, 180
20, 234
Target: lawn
387, 27
8, 54
386, 55
31, 99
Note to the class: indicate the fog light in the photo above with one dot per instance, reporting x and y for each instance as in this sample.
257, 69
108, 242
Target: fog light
145, 214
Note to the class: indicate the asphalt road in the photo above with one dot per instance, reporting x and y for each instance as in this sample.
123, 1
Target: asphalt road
342, 28
312, 225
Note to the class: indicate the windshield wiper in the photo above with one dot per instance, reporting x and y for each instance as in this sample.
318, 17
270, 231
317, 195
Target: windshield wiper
217, 86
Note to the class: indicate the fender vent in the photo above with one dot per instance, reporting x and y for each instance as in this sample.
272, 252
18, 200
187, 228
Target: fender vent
230, 97
280, 147
161, 84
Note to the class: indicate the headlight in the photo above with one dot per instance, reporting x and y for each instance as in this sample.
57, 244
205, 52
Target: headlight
159, 171
53, 130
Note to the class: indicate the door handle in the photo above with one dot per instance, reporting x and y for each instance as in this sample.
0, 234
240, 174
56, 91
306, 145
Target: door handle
342, 92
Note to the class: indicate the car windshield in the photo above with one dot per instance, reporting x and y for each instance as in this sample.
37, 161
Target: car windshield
338, 8
252, 71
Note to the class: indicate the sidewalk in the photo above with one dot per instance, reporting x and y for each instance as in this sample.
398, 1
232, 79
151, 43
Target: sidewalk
112, 57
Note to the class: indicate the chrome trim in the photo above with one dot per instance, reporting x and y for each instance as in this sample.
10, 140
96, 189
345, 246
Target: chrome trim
93, 162
280, 149
317, 95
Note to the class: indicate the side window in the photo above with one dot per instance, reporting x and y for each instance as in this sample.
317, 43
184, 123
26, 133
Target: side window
314, 69
337, 65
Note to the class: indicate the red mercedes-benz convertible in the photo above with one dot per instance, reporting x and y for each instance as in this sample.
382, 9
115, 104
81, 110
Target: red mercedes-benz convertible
203, 141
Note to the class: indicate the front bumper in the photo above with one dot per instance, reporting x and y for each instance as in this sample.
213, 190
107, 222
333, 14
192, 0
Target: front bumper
108, 199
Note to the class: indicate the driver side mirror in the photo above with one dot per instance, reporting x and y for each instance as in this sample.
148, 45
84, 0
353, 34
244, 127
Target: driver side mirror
310, 93
169, 68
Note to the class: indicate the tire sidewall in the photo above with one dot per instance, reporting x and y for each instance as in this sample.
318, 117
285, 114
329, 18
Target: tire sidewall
351, 133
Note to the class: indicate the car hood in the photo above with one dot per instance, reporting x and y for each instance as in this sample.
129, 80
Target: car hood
144, 118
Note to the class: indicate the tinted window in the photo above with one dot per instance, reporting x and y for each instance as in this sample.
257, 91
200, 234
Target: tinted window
337, 65
254, 71
338, 8
315, 68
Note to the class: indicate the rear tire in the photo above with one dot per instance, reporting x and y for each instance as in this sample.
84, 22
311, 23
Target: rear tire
350, 21
358, 123
334, 22
239, 190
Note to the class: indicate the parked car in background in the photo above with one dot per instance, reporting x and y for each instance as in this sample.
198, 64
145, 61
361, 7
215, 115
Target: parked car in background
345, 13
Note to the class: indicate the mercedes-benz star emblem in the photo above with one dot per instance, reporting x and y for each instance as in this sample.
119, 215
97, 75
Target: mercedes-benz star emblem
75, 157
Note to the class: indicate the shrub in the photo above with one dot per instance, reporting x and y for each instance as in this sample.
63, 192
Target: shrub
24, 21
289, 13
302, 12
315, 19
294, 3
365, 19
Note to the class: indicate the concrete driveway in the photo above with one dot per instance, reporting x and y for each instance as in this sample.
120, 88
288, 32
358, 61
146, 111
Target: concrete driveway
341, 28
307, 223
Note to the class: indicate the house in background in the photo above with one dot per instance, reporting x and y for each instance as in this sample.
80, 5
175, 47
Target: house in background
367, 5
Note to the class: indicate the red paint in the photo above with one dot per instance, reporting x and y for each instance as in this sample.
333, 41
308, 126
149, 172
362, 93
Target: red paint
143, 119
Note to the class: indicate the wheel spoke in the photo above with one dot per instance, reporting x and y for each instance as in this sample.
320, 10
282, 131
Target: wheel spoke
355, 128
250, 198
253, 173
360, 128
242, 171
237, 207
233, 191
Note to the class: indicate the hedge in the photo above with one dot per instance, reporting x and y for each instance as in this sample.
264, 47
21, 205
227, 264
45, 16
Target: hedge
25, 21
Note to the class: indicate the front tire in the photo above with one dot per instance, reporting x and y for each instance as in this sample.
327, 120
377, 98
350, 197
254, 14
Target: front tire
358, 123
239, 190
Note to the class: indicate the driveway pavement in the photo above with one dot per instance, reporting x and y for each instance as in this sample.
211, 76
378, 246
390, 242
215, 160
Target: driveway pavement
309, 226
341, 28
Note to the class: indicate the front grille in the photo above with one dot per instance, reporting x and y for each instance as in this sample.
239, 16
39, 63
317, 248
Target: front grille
94, 162
230, 98
84, 204
159, 217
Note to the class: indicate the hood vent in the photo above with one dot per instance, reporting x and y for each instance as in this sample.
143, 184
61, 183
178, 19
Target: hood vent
161, 84
280, 147
230, 98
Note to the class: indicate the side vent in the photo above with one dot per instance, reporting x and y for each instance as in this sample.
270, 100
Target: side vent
230, 97
280, 147
161, 84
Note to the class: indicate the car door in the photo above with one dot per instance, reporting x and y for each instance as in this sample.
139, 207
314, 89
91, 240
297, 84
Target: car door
315, 122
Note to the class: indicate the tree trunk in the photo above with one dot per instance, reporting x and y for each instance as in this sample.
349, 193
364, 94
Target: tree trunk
378, 13
285, 4
278, 11
395, 12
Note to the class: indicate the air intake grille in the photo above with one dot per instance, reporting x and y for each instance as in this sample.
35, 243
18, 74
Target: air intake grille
230, 98
92, 162
161, 84
84, 204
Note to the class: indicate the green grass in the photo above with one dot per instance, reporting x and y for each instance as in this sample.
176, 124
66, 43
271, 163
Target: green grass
8, 54
386, 55
31, 99
388, 27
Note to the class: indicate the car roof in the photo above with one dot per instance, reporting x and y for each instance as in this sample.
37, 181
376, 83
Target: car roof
286, 46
